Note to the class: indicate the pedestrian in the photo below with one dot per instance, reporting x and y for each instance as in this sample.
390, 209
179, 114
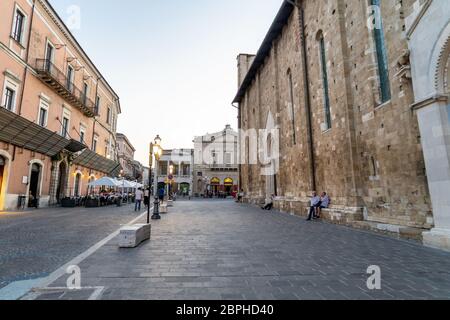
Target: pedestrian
147, 197
324, 204
138, 199
315, 204
161, 194
269, 203
241, 196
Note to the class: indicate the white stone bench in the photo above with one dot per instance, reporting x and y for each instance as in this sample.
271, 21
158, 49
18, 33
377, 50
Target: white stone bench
340, 215
133, 236
163, 208
170, 203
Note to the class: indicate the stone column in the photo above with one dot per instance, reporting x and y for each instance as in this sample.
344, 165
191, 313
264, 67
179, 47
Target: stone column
434, 125
54, 183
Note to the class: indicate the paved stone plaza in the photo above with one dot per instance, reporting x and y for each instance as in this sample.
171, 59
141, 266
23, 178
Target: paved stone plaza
35, 243
222, 250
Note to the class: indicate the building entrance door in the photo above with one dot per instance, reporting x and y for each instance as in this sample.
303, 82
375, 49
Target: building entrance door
34, 185
61, 190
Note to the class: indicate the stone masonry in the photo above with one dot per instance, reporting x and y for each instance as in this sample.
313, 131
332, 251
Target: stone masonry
370, 161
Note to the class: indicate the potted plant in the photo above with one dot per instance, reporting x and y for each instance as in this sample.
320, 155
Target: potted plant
92, 202
68, 203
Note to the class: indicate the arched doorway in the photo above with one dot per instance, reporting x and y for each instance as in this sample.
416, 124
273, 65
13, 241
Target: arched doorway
35, 179
90, 188
62, 182
228, 183
185, 189
2, 170
200, 187
215, 184
77, 187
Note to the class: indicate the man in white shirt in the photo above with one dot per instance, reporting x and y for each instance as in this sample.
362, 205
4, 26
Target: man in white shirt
324, 204
315, 204
138, 197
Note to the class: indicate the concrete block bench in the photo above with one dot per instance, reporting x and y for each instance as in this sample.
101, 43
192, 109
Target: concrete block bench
133, 236
170, 203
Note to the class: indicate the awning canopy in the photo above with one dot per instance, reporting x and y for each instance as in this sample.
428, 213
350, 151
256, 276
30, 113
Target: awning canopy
92, 160
105, 181
23, 133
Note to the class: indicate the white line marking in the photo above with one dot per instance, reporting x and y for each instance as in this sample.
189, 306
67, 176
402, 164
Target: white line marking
76, 261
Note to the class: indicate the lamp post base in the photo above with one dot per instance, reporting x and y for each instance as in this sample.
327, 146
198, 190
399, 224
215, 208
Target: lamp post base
156, 215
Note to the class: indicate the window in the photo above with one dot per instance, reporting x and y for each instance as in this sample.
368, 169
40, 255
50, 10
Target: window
382, 59
326, 94
85, 93
70, 76
43, 117
94, 144
18, 26
9, 99
108, 116
291, 97
228, 159
82, 134
49, 57
97, 105
65, 127
43, 111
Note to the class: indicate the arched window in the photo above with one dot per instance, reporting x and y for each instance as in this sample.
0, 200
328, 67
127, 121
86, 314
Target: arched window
77, 185
381, 53
292, 105
326, 94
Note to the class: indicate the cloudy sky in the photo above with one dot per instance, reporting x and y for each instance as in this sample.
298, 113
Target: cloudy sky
173, 63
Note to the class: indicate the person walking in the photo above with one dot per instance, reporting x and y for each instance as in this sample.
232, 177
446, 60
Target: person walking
147, 197
138, 199
161, 194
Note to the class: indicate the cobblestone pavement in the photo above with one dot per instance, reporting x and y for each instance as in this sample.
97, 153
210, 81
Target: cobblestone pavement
222, 250
35, 243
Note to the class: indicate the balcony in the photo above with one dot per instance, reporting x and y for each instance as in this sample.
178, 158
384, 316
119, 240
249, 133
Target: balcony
57, 80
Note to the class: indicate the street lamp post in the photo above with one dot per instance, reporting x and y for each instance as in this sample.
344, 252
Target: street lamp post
157, 152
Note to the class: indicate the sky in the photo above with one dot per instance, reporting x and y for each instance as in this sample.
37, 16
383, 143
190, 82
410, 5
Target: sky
172, 63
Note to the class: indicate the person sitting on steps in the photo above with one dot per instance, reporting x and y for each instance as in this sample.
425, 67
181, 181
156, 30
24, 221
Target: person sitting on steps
269, 204
315, 204
324, 204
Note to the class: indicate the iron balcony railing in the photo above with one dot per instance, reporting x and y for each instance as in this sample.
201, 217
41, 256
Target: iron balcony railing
57, 80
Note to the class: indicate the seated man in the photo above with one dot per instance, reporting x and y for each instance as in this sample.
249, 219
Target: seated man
324, 204
315, 204
269, 204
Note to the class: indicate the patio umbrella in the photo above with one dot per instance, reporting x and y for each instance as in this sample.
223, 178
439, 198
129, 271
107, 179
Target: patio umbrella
105, 181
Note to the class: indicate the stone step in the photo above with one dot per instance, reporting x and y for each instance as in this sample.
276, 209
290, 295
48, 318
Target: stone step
401, 232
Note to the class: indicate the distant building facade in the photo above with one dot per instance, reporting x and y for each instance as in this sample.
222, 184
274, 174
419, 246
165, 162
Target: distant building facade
216, 163
58, 114
175, 171
125, 152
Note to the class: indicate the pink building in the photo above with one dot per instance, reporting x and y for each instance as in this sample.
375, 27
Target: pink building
58, 114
